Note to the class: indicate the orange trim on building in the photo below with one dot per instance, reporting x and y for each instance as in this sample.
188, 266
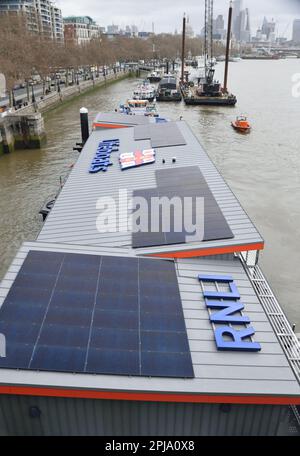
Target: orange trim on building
149, 397
209, 251
101, 125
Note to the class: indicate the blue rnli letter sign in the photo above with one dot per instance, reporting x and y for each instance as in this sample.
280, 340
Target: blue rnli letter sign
229, 312
101, 160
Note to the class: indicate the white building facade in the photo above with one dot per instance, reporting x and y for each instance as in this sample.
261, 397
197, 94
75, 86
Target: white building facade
80, 29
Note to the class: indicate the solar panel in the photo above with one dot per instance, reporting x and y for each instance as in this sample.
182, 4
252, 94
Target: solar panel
96, 314
142, 132
120, 118
165, 135
181, 183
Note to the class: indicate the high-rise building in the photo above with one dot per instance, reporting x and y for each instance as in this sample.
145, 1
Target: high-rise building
296, 31
241, 22
23, 7
219, 31
240, 25
57, 23
80, 29
268, 29
237, 8
43, 8
246, 34
42, 16
134, 30
112, 29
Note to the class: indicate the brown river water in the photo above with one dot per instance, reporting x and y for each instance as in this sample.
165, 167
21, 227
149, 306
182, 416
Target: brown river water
263, 168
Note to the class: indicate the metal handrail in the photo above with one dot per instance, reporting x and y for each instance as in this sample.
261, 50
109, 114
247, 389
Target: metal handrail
287, 338
296, 413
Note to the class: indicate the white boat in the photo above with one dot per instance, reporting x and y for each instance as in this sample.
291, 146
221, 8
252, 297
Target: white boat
139, 107
145, 91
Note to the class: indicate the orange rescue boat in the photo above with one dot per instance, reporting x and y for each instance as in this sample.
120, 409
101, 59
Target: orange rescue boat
241, 124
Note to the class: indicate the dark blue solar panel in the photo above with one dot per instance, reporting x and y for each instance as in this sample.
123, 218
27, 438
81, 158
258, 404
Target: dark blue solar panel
121, 362
19, 331
162, 322
181, 183
165, 304
96, 314
81, 284
166, 365
82, 259
46, 257
64, 335
162, 341
119, 285
160, 288
58, 358
17, 355
28, 296
73, 299
80, 270
23, 313
117, 301
116, 319
68, 315
41, 267
109, 339
119, 262
43, 281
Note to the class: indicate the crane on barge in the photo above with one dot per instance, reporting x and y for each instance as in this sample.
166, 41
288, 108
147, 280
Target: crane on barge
208, 91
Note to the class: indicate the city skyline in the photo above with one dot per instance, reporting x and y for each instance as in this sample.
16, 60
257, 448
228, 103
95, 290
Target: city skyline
168, 17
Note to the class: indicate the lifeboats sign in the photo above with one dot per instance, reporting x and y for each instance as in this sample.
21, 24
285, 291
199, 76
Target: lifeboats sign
138, 158
229, 314
101, 160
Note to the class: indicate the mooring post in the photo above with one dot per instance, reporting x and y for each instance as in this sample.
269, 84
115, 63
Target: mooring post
84, 123
183, 49
225, 90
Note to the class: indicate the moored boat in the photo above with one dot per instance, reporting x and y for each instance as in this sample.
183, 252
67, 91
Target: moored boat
168, 89
139, 107
145, 91
154, 76
206, 90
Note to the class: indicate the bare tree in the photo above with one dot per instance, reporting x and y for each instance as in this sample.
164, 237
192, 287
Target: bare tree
23, 53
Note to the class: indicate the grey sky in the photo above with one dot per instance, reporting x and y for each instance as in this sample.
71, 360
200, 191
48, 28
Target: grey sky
166, 14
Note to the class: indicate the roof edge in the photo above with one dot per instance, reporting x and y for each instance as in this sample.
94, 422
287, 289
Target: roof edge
208, 251
151, 397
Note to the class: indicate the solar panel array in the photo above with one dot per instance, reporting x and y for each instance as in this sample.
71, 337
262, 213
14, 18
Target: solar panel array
121, 119
180, 183
95, 314
165, 135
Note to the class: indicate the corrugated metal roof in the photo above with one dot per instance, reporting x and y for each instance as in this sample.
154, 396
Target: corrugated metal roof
73, 218
216, 373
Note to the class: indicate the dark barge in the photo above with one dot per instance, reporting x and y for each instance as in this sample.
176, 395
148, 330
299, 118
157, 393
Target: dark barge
206, 90
168, 89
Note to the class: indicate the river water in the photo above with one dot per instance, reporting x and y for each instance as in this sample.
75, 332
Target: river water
263, 168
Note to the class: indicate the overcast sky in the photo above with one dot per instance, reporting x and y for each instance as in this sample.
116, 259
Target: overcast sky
167, 14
